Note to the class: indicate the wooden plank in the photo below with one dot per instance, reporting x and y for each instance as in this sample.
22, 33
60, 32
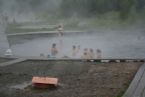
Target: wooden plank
130, 91
140, 87
12, 62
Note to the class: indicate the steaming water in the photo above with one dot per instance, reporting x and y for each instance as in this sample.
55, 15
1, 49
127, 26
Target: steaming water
4, 45
113, 45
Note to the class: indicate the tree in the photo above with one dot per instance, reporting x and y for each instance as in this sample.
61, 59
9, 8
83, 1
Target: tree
125, 7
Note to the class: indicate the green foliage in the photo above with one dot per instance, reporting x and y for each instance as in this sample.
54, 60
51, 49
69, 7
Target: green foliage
87, 8
125, 7
93, 7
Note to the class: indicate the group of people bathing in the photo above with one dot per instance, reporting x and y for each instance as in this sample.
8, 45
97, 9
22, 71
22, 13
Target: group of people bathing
87, 53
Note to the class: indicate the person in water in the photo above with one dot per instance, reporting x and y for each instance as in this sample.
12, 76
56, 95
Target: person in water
86, 51
85, 54
54, 50
60, 30
74, 51
60, 34
98, 54
91, 54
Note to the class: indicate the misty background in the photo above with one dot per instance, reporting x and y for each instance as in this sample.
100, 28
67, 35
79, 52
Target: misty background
109, 10
117, 25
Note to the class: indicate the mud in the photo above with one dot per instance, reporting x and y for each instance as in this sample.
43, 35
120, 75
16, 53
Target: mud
76, 79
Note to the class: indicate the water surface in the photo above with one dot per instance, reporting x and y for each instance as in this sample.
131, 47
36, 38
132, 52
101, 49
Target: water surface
113, 44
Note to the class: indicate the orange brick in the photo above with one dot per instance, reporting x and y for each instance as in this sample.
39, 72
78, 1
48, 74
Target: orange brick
45, 80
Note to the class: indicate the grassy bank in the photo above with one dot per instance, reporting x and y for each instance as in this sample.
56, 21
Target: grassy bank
109, 20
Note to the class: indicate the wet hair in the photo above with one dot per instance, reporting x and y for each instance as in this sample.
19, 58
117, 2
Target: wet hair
74, 47
98, 50
53, 45
59, 25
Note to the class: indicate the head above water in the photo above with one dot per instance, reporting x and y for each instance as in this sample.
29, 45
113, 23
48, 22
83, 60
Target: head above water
54, 45
98, 51
74, 47
60, 26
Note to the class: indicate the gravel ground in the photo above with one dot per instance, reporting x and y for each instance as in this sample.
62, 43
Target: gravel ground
76, 79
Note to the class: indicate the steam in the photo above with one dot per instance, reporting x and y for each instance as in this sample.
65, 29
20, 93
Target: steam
25, 10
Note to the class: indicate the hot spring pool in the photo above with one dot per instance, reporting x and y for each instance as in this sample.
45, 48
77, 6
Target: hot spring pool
112, 45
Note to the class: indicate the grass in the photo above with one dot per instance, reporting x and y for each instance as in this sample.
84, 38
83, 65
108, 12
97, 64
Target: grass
20, 30
108, 20
14, 28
